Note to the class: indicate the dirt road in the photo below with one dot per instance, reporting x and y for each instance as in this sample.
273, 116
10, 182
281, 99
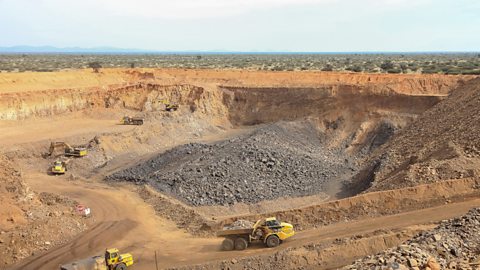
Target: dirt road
123, 220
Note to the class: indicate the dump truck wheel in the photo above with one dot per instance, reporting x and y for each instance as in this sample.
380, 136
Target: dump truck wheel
121, 267
272, 241
241, 243
228, 244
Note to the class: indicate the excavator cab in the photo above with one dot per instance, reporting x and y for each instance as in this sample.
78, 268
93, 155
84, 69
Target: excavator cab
76, 152
116, 261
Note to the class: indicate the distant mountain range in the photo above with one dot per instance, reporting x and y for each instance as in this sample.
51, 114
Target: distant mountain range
52, 49
114, 50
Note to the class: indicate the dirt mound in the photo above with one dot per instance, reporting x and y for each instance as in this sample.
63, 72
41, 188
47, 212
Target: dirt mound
30, 222
454, 244
441, 144
278, 160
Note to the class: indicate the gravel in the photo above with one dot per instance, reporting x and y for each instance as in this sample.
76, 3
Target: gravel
286, 159
239, 224
454, 244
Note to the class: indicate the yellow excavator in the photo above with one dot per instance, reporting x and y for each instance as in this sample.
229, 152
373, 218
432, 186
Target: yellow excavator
68, 150
112, 260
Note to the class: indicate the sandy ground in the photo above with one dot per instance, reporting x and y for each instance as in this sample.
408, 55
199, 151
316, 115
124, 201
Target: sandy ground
123, 220
120, 217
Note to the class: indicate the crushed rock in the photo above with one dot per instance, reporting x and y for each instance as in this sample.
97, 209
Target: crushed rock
454, 244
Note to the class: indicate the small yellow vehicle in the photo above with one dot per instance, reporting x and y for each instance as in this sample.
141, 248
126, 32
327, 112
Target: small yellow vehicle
59, 167
128, 120
268, 230
112, 260
169, 107
116, 261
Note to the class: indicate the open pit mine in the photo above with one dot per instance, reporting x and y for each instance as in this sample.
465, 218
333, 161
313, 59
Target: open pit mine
351, 171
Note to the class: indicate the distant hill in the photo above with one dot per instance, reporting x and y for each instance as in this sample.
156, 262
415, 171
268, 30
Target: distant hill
52, 49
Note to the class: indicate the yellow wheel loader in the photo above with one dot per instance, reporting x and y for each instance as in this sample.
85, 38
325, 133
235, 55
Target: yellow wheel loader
270, 231
112, 260
59, 167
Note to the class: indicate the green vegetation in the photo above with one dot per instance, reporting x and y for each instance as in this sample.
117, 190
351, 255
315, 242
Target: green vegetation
431, 63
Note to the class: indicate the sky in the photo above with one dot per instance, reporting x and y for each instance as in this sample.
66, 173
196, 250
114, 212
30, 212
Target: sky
245, 25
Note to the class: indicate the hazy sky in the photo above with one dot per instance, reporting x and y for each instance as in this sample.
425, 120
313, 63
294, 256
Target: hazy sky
245, 25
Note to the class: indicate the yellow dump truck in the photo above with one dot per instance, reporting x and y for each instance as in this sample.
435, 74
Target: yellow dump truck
112, 260
268, 230
128, 120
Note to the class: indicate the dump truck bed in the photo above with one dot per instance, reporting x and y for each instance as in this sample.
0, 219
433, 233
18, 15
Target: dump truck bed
224, 233
93, 263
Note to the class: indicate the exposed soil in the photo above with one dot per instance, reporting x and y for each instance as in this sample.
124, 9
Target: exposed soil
243, 145
30, 222
441, 144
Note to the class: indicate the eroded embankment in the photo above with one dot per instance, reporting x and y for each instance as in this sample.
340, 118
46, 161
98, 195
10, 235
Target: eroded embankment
316, 255
143, 97
374, 204
249, 106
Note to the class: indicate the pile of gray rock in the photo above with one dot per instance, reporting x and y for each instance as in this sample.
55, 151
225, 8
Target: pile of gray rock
454, 244
287, 159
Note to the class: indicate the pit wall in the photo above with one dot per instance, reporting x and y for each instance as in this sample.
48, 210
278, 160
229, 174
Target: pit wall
409, 84
140, 97
255, 94
248, 106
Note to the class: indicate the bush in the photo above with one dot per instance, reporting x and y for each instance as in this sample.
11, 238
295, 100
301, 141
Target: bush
387, 65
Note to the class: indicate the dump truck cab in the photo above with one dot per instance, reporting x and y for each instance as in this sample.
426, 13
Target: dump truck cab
271, 231
116, 261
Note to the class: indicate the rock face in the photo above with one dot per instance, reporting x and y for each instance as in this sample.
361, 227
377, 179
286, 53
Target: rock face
454, 244
284, 159
441, 144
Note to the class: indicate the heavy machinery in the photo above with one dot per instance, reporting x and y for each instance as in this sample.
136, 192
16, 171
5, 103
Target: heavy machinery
128, 120
112, 260
169, 107
59, 167
68, 150
268, 230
